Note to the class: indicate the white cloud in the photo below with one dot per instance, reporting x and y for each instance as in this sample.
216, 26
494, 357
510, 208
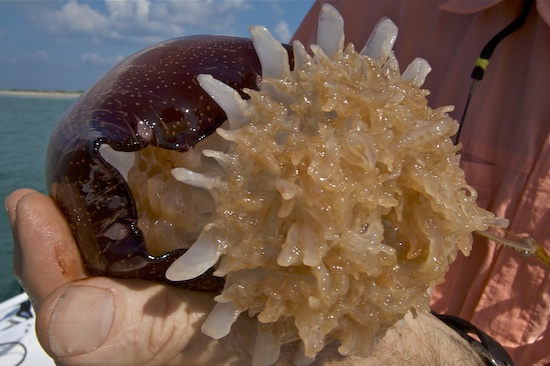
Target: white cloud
72, 17
216, 14
282, 32
95, 58
36, 56
141, 21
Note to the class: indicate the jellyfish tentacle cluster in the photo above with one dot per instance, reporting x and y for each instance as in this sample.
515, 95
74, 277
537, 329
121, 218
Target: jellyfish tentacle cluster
338, 196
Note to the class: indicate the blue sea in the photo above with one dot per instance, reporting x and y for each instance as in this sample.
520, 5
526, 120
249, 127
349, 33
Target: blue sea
27, 123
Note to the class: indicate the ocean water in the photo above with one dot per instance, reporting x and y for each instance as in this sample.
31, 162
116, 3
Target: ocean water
26, 123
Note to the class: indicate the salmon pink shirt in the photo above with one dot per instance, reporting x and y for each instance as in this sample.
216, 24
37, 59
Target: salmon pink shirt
505, 153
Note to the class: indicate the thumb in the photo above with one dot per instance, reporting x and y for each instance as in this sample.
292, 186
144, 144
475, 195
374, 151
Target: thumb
101, 321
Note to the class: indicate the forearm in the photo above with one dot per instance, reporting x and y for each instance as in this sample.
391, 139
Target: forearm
424, 340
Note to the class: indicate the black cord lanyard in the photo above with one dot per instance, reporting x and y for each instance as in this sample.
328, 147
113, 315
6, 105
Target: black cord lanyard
483, 60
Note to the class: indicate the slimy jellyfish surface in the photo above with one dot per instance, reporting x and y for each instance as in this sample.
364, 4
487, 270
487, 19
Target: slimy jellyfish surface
330, 200
313, 190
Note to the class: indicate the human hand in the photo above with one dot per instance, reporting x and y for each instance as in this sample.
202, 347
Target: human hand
83, 320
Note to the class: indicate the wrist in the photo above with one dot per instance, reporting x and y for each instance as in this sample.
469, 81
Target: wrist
423, 340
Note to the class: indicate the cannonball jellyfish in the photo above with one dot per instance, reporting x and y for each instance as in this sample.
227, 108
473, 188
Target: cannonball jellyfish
313, 190
150, 99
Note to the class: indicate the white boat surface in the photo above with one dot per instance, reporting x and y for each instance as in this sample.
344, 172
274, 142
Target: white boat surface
18, 343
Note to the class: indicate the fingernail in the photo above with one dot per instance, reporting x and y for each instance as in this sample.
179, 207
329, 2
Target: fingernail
81, 320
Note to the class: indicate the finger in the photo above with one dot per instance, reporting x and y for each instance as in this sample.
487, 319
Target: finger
132, 322
11, 205
45, 253
11, 201
11, 208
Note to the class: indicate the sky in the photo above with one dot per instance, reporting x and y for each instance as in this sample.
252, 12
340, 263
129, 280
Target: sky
68, 45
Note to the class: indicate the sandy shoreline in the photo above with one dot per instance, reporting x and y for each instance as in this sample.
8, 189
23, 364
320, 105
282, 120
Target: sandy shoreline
39, 94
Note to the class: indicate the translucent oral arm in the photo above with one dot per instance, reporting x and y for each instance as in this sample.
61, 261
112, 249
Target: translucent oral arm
273, 56
330, 31
198, 259
226, 97
380, 43
120, 160
218, 323
266, 349
417, 71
